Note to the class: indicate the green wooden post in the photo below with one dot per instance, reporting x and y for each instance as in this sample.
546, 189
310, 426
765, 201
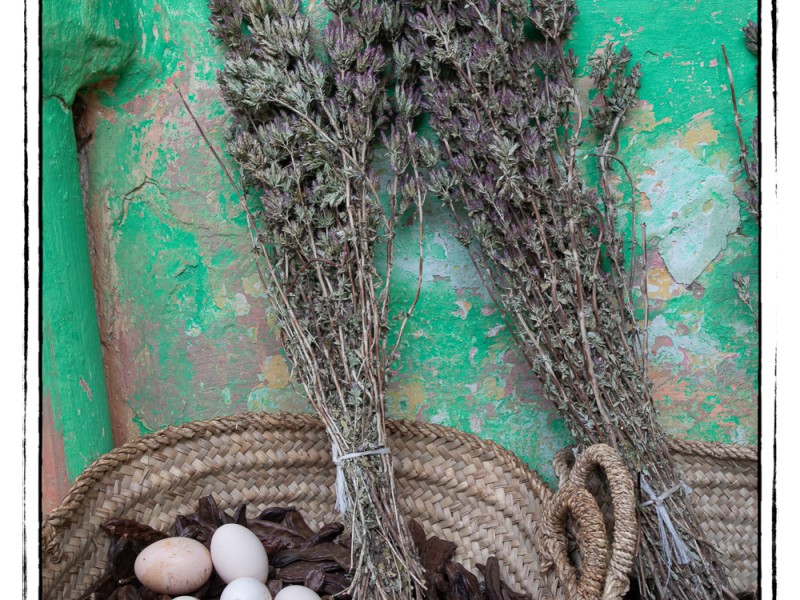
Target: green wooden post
82, 42
72, 362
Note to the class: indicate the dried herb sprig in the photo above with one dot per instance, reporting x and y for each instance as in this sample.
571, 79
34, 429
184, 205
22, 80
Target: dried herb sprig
749, 159
305, 125
509, 120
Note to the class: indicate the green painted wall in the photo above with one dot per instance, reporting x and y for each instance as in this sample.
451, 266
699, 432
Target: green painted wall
186, 329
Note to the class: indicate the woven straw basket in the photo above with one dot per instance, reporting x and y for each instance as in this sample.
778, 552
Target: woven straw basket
724, 483
724, 480
459, 487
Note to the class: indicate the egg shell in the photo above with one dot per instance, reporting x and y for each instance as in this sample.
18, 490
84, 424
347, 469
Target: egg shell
246, 588
237, 552
185, 598
297, 592
173, 566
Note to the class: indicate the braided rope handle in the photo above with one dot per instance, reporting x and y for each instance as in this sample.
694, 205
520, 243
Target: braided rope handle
616, 566
576, 502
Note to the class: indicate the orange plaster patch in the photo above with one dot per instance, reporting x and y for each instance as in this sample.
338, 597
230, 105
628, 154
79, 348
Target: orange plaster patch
642, 118
463, 308
699, 131
414, 392
644, 203
660, 284
492, 389
275, 372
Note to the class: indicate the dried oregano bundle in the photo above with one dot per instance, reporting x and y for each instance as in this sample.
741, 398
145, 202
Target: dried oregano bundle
307, 115
507, 112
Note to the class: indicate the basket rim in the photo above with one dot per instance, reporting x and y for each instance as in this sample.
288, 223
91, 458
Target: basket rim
719, 450
171, 434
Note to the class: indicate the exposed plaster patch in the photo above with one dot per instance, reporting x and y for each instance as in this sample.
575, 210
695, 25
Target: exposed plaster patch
221, 297
476, 423
463, 308
699, 131
642, 117
669, 342
408, 398
494, 331
275, 372
86, 388
253, 287
660, 285
494, 390
439, 240
240, 305
693, 211
439, 418
193, 329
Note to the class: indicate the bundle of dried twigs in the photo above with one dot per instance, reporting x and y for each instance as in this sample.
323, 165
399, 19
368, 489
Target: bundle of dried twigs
508, 115
306, 119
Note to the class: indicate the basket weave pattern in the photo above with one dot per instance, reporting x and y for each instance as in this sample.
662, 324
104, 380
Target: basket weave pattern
459, 487
724, 482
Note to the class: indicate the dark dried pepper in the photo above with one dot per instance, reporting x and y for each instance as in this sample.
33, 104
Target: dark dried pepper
274, 514
315, 580
327, 533
208, 513
491, 577
295, 573
435, 554
294, 520
327, 551
298, 556
122, 556
133, 530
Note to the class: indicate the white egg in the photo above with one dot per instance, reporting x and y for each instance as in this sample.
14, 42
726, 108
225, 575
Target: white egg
297, 592
237, 552
175, 565
185, 598
245, 588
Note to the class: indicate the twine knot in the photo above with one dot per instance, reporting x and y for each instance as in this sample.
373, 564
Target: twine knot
342, 497
678, 547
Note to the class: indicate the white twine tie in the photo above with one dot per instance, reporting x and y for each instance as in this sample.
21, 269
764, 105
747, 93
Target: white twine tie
342, 497
680, 549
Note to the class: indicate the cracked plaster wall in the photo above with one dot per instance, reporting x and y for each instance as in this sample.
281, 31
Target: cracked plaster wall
183, 316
